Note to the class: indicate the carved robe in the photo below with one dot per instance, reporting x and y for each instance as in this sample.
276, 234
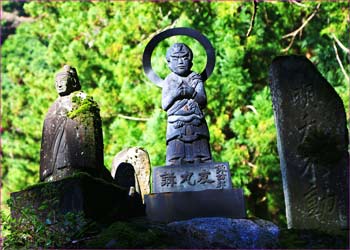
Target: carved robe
187, 131
70, 143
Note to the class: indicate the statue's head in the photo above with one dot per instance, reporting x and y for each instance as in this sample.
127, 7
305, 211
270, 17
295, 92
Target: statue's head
179, 57
67, 81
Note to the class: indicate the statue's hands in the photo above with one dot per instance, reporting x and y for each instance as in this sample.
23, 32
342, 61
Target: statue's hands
187, 91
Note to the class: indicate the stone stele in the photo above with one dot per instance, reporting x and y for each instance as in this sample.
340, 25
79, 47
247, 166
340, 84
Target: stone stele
140, 161
312, 141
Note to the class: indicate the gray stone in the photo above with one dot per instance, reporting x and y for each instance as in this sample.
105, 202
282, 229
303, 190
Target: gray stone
184, 98
191, 184
95, 198
191, 177
72, 132
167, 207
219, 232
140, 161
312, 141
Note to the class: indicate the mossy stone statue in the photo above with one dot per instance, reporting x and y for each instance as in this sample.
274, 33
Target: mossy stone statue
72, 134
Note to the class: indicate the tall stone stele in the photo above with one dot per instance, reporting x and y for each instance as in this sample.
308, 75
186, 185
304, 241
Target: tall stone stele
72, 134
312, 141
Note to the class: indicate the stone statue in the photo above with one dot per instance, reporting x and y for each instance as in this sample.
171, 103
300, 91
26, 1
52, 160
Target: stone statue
191, 176
183, 98
72, 134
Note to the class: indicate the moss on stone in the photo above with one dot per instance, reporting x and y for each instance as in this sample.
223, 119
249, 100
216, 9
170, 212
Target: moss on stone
76, 175
84, 107
86, 113
129, 234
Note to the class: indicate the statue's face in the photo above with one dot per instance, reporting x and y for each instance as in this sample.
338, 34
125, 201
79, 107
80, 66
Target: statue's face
63, 85
179, 62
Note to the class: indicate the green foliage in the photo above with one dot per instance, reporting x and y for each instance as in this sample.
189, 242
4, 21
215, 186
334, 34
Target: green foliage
29, 231
105, 41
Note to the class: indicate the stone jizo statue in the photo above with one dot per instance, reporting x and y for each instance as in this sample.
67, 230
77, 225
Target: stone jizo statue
183, 98
72, 134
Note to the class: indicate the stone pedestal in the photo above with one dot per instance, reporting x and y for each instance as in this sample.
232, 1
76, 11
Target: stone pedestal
95, 198
193, 190
176, 206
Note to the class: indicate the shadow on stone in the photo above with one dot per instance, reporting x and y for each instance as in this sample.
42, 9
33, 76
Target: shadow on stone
95, 198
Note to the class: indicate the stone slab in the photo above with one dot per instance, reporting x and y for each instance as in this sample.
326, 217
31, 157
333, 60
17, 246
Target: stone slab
191, 177
312, 141
167, 207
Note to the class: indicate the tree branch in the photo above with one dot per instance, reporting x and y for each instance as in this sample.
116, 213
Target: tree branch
340, 63
170, 26
298, 3
15, 19
133, 118
252, 20
297, 31
346, 50
252, 108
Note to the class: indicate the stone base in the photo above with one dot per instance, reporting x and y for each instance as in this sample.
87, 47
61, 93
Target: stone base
224, 233
168, 207
95, 198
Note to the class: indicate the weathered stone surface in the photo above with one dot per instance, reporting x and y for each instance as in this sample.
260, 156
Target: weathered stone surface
219, 232
312, 144
95, 198
174, 206
191, 177
184, 98
140, 161
72, 132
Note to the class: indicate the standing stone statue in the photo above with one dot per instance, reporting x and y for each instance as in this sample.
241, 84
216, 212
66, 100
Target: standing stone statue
72, 134
183, 98
191, 184
312, 140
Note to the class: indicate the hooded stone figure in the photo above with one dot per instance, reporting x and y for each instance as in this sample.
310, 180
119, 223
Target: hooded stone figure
72, 134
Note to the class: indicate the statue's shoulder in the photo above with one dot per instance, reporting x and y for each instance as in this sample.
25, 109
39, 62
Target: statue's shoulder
194, 76
171, 77
77, 96
82, 104
60, 107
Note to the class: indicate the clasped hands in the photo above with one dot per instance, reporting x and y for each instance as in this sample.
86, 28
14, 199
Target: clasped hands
185, 90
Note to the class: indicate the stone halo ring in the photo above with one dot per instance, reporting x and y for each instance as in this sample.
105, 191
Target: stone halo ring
147, 54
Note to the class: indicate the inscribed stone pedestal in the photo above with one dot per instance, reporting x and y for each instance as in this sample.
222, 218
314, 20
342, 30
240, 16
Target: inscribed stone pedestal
312, 141
191, 177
